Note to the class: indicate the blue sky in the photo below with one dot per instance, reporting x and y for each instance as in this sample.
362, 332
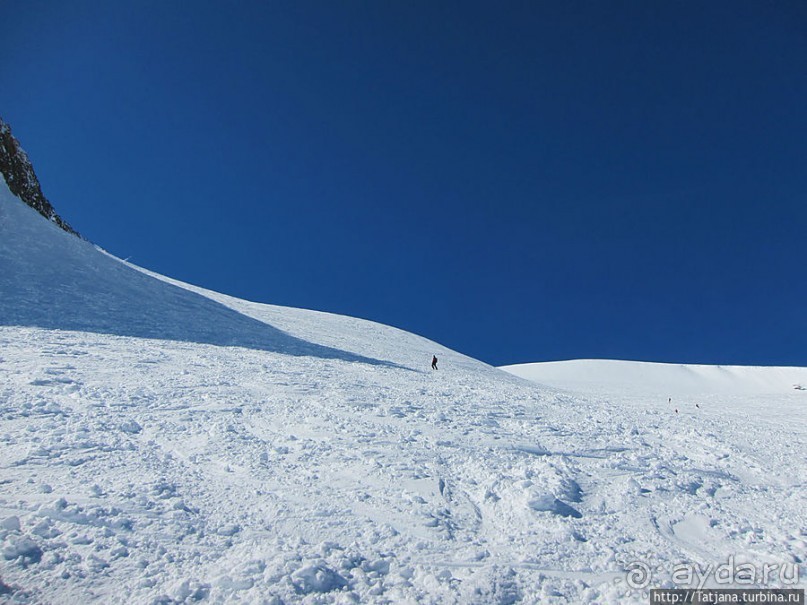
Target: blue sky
520, 181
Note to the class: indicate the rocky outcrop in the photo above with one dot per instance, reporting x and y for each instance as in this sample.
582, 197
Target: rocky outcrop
21, 178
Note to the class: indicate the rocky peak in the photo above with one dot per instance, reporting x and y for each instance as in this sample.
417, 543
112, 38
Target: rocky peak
21, 178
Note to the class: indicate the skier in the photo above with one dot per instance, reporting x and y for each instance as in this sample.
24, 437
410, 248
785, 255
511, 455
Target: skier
434, 362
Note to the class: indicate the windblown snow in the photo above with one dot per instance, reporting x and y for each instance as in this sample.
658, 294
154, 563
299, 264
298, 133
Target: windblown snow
161, 443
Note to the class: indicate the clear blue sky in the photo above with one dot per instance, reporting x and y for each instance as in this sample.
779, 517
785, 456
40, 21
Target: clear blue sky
520, 181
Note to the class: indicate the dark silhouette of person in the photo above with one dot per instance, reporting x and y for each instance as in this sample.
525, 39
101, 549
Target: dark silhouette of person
434, 362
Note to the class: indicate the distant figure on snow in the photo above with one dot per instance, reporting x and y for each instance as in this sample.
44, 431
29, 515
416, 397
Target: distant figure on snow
434, 362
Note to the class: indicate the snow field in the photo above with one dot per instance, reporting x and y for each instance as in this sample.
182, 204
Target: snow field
152, 471
183, 469
599, 376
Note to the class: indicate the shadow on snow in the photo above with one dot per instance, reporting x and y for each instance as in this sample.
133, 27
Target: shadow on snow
61, 282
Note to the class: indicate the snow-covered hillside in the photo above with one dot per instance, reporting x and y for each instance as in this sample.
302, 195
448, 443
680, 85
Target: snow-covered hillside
160, 443
600, 375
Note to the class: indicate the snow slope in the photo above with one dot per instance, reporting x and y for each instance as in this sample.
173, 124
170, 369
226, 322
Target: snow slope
598, 375
160, 443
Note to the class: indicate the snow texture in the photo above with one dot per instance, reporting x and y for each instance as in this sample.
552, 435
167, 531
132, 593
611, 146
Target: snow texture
160, 443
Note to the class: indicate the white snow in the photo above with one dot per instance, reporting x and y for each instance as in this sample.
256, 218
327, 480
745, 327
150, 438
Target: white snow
598, 375
160, 443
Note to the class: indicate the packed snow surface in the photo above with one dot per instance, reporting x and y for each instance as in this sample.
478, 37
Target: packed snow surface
160, 443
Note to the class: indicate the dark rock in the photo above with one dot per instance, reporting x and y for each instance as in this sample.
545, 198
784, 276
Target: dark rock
21, 178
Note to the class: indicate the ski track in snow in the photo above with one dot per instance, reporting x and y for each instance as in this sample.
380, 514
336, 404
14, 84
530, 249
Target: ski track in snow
322, 461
